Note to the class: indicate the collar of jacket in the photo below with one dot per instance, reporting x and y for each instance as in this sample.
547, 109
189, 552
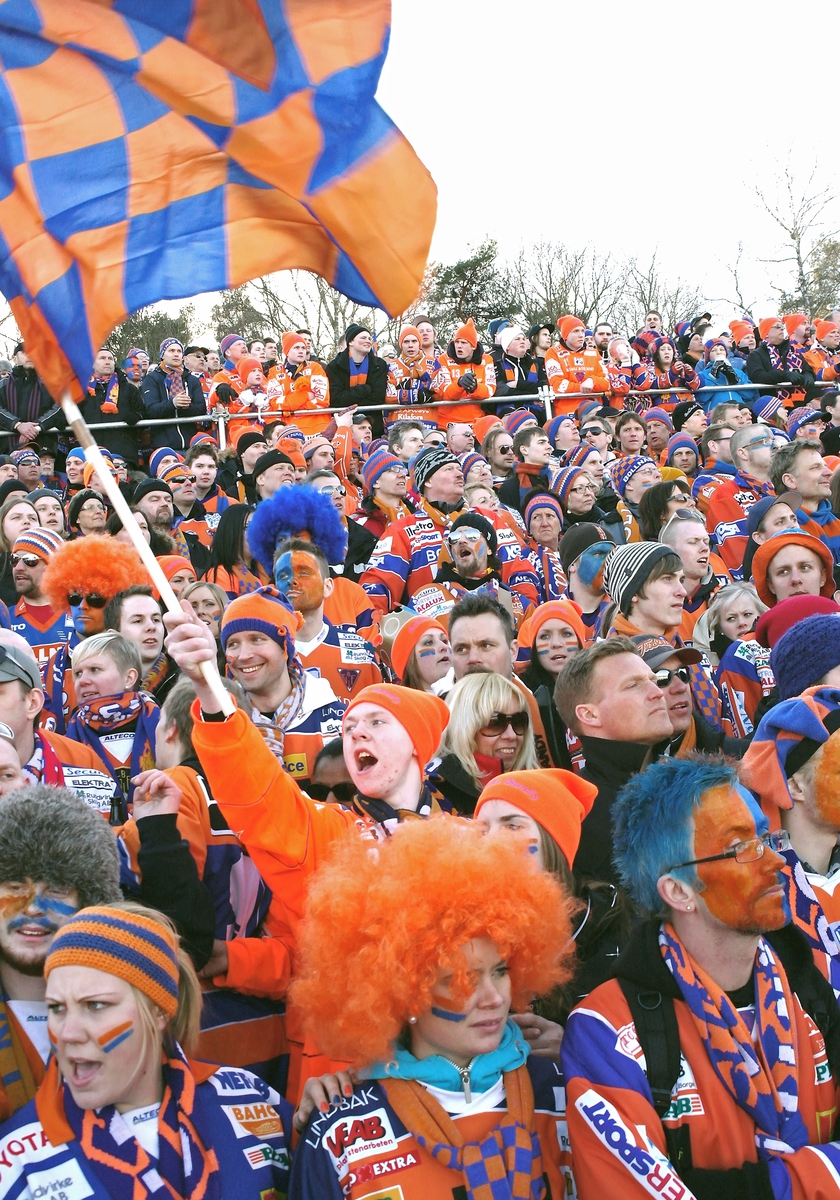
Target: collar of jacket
614, 761
641, 960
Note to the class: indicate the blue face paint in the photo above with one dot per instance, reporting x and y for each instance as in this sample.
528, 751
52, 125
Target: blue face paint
76, 615
283, 573
426, 653
39, 922
448, 1016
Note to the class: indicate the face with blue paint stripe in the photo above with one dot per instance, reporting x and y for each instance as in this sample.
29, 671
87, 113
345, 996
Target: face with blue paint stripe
30, 916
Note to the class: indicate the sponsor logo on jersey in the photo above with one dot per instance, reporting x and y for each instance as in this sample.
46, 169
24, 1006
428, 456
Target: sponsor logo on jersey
258, 1119
367, 1171
295, 764
350, 1138
64, 1182
647, 1163
685, 1098
239, 1083
264, 1155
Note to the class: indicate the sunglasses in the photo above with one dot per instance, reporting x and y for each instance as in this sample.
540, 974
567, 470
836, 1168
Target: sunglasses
471, 536
343, 793
334, 491
519, 722
505, 449
593, 431
94, 600
28, 560
663, 678
181, 480
435, 444
683, 514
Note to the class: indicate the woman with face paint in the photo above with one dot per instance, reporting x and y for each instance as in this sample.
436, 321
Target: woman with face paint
489, 732
450, 1095
420, 654
122, 1113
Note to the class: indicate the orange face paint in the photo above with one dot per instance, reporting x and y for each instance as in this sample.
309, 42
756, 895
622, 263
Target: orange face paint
116, 1036
745, 896
827, 781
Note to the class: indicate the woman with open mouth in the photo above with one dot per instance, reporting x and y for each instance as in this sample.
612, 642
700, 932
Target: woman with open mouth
122, 1112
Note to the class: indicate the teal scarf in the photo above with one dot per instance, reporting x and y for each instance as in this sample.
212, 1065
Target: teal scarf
439, 1072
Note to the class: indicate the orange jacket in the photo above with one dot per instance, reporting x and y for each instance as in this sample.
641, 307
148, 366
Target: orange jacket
306, 390
446, 387
566, 371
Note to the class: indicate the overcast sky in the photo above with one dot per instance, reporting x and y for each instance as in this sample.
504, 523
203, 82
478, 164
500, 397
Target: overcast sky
631, 127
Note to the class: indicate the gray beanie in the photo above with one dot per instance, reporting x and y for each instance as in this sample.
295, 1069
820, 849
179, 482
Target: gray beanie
627, 567
428, 461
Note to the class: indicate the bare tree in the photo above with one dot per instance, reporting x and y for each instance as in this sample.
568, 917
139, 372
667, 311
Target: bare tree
555, 279
737, 299
799, 213
645, 291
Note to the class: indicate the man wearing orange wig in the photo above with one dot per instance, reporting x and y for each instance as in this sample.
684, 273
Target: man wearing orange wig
81, 578
450, 1103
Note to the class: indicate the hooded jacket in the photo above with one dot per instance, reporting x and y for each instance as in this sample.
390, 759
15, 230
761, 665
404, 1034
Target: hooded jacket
159, 406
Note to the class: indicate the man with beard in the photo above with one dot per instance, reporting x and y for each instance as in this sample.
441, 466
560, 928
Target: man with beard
33, 617
336, 653
56, 856
720, 1092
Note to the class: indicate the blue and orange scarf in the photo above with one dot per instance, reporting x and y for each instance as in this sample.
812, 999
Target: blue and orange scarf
759, 1071
358, 371
794, 363
175, 385
107, 714
112, 392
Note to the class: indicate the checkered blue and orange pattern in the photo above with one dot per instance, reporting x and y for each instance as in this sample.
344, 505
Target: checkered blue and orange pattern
158, 150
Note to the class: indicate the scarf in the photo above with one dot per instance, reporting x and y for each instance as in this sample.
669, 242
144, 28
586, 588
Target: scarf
628, 520
381, 812
514, 370
807, 913
688, 744
274, 729
759, 1069
21, 1075
793, 362
107, 714
54, 685
111, 390
186, 1163
33, 402
174, 378
358, 371
156, 674
44, 765
550, 571
507, 1165
744, 479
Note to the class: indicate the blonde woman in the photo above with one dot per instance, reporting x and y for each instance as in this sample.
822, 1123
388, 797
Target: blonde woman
489, 732
122, 1112
730, 617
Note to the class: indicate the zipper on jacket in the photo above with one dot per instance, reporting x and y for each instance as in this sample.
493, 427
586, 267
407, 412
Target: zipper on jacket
464, 1072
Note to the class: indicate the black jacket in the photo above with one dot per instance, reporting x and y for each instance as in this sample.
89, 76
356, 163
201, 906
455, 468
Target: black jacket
760, 369
159, 406
455, 784
609, 765
129, 409
372, 392
360, 544
521, 368
15, 394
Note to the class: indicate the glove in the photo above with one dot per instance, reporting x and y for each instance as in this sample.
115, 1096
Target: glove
717, 367
361, 391
796, 378
468, 382
425, 395
678, 369
405, 385
225, 394
730, 373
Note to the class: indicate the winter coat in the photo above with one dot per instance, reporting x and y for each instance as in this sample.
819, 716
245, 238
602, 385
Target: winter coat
159, 406
130, 409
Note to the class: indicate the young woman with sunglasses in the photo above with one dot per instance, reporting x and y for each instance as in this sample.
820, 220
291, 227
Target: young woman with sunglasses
660, 502
489, 732
16, 516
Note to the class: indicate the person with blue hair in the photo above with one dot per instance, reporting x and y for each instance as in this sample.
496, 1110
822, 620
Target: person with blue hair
708, 1065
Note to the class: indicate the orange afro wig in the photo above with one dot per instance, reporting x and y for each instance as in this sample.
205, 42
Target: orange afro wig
95, 563
380, 925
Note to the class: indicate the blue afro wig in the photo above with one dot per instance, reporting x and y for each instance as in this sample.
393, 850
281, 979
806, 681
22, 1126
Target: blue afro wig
290, 512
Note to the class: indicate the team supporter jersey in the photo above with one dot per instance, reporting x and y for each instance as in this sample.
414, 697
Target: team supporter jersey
726, 518
341, 656
446, 386
361, 1150
567, 370
824, 524
64, 763
44, 629
301, 392
408, 379
826, 365
349, 604
743, 678
214, 504
317, 722
618, 1140
405, 559
712, 476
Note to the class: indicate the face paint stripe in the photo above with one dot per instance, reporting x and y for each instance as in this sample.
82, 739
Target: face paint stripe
110, 1040
448, 1016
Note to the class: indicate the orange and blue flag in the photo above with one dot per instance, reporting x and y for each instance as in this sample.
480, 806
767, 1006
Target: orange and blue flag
156, 149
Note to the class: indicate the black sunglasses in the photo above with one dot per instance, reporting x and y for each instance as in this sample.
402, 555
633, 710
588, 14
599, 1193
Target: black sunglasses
74, 599
519, 722
663, 678
342, 792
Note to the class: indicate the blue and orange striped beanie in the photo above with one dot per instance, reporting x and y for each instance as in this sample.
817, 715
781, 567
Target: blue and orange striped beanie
263, 611
126, 944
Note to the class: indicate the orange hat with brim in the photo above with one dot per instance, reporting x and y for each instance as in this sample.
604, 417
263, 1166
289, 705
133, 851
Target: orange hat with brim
557, 800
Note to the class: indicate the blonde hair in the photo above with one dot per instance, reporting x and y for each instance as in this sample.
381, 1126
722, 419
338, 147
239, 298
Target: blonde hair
8, 505
719, 605
120, 649
219, 594
472, 702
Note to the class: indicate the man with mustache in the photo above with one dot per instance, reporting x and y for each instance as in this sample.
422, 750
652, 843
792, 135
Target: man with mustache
57, 855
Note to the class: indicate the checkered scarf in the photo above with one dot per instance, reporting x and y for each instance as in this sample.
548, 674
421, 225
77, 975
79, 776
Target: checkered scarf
507, 1165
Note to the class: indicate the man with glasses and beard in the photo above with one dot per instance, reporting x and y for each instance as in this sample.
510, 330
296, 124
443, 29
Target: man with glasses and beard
729, 504
33, 617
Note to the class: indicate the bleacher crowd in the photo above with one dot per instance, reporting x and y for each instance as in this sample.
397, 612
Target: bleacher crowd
515, 871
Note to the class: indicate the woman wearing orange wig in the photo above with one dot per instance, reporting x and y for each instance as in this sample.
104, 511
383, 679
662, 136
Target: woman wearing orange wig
449, 1097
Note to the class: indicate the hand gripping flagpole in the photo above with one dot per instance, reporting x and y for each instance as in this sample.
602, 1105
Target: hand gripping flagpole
105, 478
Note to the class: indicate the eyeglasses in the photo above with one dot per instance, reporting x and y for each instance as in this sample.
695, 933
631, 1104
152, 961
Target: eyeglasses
334, 491
92, 506
471, 536
28, 560
180, 480
683, 514
519, 722
760, 441
343, 793
582, 487
94, 600
663, 678
746, 852
435, 443
505, 449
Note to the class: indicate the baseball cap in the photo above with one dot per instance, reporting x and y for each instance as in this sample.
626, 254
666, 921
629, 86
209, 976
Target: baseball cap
15, 663
655, 651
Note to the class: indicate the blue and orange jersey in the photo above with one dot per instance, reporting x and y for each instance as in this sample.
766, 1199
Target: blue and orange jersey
317, 722
349, 604
646, 376
726, 519
407, 378
300, 392
406, 558
44, 629
712, 475
361, 1149
214, 504
341, 656
743, 679
567, 371
825, 364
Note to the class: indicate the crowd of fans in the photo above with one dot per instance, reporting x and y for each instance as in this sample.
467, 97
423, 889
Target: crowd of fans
515, 871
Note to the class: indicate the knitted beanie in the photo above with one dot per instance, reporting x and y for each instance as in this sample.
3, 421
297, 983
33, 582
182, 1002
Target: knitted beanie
482, 427
230, 339
507, 335
684, 412
627, 567
171, 564
128, 945
740, 330
429, 461
622, 470
199, 439
558, 610
263, 611
314, 443
792, 322
167, 342
579, 538
766, 407
246, 365
552, 427
468, 461
377, 464
353, 330
474, 520
247, 439
642, 343
577, 456
788, 735
542, 500
175, 475
823, 328
467, 333
565, 480
709, 346
680, 441
406, 640
797, 417
658, 414
271, 458
557, 800
77, 504
287, 340
40, 541
157, 457
768, 550
566, 324
26, 458
146, 486
291, 432
806, 653
514, 421
765, 325
423, 716
408, 331
772, 625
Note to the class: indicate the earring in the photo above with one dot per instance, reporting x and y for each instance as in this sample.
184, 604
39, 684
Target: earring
412, 1020
689, 908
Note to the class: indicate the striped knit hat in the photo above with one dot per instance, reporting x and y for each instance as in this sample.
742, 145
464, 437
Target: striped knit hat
802, 416
627, 567
658, 414
468, 461
514, 421
622, 470
542, 500
125, 944
552, 427
264, 611
26, 458
292, 431
788, 735
175, 475
40, 541
565, 480
200, 438
377, 464
577, 456
157, 457
766, 407
679, 441
314, 443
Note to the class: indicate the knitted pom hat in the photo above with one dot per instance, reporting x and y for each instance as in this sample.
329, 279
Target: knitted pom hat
377, 464
622, 470
125, 944
565, 480
642, 343
515, 420
557, 800
788, 735
577, 456
429, 461
406, 640
40, 541
546, 500
626, 569
658, 414
157, 457
229, 340
552, 427
680, 441
422, 715
807, 652
263, 611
